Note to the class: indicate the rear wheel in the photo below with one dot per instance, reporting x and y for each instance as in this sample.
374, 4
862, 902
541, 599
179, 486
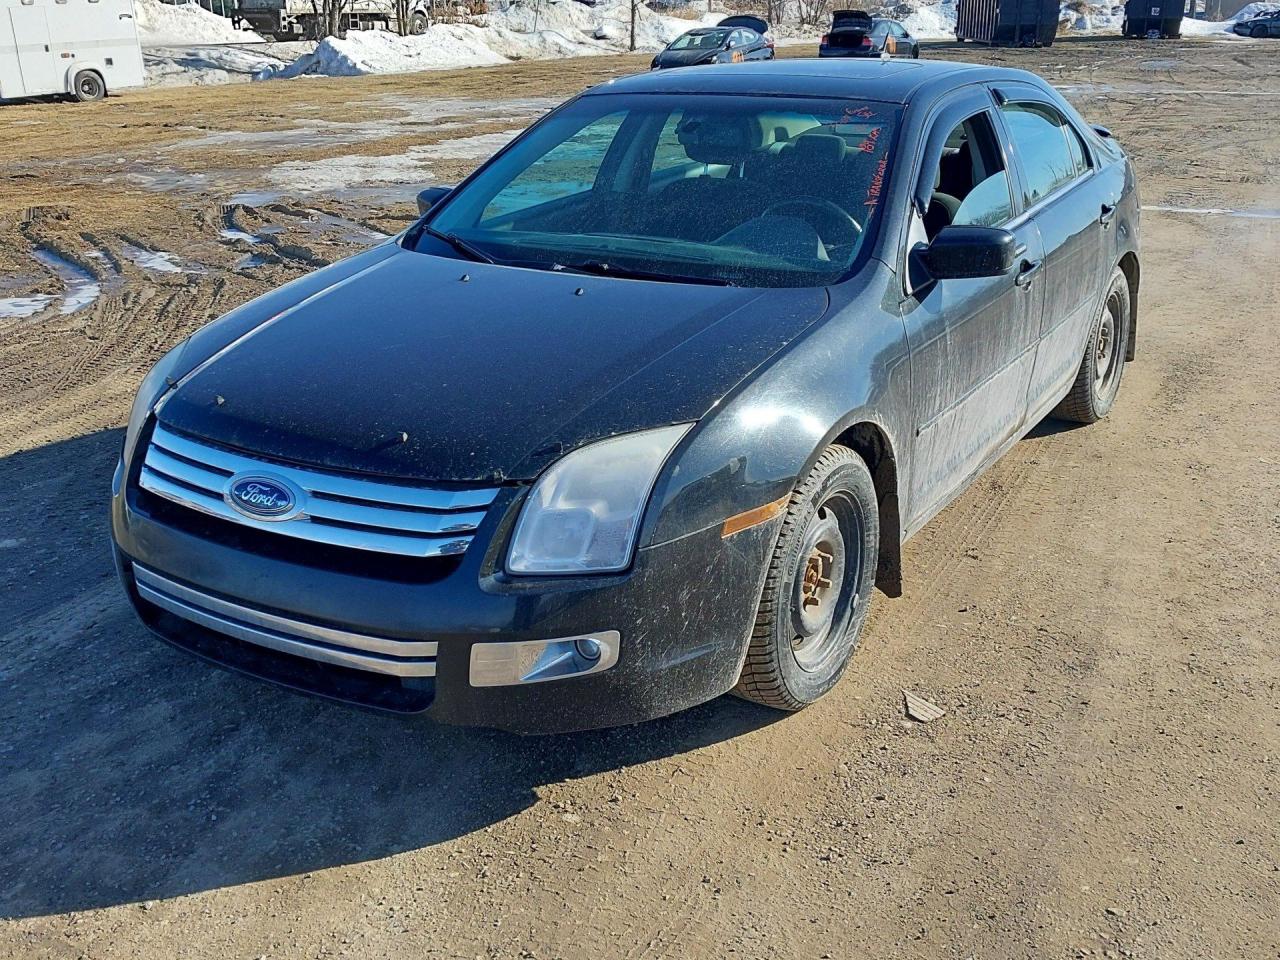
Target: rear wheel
88, 86
1098, 380
915, 52
818, 587
418, 24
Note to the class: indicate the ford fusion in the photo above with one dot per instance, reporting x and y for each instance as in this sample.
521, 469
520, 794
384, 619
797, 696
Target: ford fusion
641, 412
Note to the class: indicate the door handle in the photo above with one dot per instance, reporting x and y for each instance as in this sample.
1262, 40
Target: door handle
1027, 272
1108, 214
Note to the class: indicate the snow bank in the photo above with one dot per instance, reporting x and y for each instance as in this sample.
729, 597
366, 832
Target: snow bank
544, 29
185, 65
165, 24
932, 21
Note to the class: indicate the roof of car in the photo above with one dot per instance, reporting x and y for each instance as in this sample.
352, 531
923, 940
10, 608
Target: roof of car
894, 81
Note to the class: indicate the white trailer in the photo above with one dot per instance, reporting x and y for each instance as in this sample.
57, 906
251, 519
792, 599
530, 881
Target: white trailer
81, 48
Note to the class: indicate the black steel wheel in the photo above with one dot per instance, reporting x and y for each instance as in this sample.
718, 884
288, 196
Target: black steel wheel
1102, 367
818, 587
88, 86
1258, 33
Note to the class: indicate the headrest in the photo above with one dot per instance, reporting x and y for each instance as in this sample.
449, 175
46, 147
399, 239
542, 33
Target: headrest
819, 148
717, 137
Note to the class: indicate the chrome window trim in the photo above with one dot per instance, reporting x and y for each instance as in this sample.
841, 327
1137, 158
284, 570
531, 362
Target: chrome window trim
286, 635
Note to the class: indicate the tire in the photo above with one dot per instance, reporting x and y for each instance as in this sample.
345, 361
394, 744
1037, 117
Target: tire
915, 52
1102, 367
418, 24
804, 632
87, 86
1258, 33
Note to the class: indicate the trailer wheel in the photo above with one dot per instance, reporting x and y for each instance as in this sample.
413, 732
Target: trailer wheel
418, 24
88, 86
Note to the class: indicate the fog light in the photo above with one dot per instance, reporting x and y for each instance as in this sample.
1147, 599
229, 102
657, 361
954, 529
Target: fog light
535, 661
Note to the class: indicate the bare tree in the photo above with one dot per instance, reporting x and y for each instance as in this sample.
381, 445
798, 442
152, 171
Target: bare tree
332, 16
403, 11
813, 12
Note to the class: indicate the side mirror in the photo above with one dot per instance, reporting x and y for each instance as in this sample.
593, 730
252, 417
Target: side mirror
1102, 131
958, 253
429, 197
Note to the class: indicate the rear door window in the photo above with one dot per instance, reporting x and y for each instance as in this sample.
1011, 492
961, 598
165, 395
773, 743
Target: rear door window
1040, 137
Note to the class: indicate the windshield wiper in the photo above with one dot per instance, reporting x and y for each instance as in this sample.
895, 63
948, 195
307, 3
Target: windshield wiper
468, 250
600, 268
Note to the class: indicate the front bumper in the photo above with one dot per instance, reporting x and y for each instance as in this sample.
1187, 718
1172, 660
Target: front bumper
683, 613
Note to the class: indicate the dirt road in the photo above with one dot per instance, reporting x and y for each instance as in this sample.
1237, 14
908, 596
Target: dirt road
1098, 614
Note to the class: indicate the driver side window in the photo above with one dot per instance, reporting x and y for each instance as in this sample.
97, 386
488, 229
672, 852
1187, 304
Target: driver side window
970, 183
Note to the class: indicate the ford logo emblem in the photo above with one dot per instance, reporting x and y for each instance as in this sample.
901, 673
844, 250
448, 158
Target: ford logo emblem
263, 498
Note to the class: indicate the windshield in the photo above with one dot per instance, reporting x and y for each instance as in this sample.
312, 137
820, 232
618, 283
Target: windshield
713, 40
752, 191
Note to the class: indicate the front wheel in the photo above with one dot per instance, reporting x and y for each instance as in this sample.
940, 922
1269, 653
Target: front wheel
418, 24
818, 587
1101, 368
88, 86
1258, 33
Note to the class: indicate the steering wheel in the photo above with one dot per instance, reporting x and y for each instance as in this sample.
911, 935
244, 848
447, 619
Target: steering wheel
834, 224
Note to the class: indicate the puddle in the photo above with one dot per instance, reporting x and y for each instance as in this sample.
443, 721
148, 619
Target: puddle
348, 230
80, 286
256, 198
412, 166
17, 308
1218, 212
157, 261
1105, 89
17, 281
232, 233
378, 195
318, 132
250, 261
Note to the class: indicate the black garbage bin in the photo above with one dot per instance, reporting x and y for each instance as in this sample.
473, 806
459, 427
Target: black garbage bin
1153, 18
1008, 23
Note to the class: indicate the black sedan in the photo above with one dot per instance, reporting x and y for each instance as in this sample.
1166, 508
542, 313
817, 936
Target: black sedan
735, 40
643, 410
1266, 24
855, 33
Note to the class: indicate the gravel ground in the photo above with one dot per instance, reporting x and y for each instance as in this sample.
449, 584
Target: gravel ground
1097, 614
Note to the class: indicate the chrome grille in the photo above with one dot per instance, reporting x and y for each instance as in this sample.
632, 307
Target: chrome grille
399, 658
340, 510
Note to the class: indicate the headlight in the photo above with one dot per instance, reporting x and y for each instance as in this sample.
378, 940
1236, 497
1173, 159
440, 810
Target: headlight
583, 514
153, 387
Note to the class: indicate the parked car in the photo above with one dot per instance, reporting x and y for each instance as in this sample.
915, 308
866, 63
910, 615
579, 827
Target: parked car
743, 39
1265, 24
855, 33
641, 411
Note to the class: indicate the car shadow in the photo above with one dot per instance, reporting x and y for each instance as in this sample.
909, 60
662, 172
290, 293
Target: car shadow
1049, 427
131, 772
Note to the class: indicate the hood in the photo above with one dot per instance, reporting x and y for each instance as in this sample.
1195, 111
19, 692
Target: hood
405, 369
685, 58
851, 20
757, 24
